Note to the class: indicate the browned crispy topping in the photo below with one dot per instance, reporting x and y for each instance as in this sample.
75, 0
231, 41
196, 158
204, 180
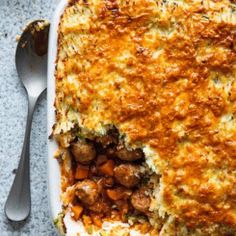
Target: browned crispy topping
162, 72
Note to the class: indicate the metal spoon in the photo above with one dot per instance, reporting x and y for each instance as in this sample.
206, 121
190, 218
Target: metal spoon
31, 65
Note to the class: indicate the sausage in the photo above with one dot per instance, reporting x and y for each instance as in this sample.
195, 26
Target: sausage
111, 152
110, 138
87, 192
141, 200
123, 206
118, 193
106, 182
83, 152
127, 174
127, 155
100, 206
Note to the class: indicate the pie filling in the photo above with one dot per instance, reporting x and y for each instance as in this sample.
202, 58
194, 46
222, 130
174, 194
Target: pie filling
107, 182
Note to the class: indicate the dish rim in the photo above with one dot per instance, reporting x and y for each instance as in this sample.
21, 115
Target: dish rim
53, 170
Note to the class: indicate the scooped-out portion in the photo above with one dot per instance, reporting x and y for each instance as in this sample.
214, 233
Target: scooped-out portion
104, 181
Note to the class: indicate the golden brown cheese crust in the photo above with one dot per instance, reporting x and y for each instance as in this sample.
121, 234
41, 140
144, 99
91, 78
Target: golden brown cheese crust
164, 73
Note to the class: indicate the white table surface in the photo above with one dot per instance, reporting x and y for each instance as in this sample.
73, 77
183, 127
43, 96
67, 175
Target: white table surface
14, 14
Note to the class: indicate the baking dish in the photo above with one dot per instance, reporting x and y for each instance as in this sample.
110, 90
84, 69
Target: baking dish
180, 139
53, 166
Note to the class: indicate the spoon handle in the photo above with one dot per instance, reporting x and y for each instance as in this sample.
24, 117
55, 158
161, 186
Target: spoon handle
18, 204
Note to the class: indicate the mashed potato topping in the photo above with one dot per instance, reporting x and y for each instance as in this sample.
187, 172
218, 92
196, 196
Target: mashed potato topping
163, 72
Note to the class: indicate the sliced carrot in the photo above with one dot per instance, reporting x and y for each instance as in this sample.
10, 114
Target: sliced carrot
107, 168
77, 211
114, 194
87, 221
145, 228
96, 220
81, 172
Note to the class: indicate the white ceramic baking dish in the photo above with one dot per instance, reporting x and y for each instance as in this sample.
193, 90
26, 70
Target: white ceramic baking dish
53, 166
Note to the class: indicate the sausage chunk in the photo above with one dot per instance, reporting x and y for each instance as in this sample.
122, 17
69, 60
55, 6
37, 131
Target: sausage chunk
127, 174
118, 193
100, 206
106, 182
126, 155
87, 191
110, 138
141, 200
83, 152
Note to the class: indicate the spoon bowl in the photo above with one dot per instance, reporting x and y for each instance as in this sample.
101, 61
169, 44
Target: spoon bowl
31, 57
31, 65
